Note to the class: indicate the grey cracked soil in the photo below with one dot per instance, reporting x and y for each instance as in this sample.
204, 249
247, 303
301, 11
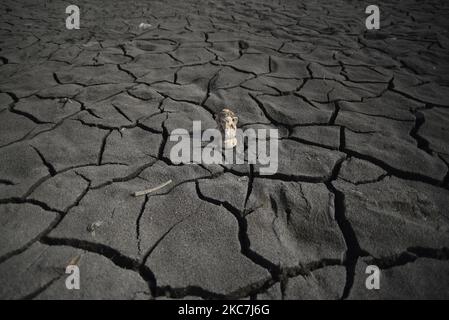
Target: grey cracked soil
363, 178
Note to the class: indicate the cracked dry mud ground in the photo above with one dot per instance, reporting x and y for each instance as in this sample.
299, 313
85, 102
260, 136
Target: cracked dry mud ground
363, 175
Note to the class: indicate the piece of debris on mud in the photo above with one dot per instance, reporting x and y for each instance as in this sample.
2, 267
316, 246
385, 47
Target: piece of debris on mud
144, 26
75, 260
94, 226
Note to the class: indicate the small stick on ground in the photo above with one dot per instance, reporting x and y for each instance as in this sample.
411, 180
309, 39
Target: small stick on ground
74, 261
144, 192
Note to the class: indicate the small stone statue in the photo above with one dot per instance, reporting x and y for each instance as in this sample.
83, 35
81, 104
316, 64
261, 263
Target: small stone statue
227, 124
